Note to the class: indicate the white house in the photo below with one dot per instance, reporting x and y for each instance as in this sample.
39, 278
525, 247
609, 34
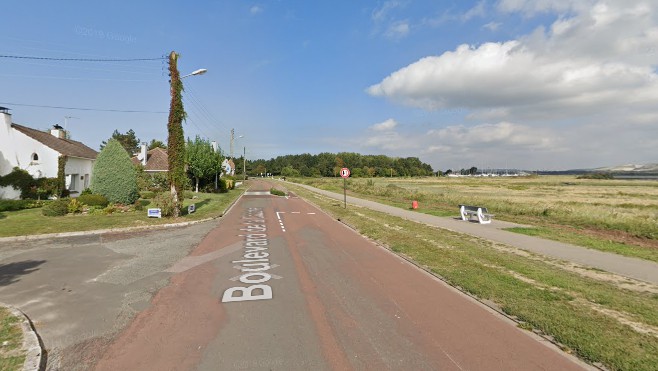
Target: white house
38, 153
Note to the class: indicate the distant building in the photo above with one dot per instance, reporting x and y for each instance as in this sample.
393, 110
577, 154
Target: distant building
228, 166
38, 153
153, 161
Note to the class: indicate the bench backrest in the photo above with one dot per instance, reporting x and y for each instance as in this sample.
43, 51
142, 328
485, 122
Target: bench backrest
475, 208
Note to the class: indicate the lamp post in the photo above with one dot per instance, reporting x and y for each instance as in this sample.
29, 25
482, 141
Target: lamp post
175, 138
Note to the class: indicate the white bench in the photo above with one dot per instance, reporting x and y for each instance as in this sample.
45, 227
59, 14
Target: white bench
480, 212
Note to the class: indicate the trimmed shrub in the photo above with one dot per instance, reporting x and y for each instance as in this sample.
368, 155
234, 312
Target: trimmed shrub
56, 208
15, 205
93, 200
188, 194
114, 174
165, 202
146, 194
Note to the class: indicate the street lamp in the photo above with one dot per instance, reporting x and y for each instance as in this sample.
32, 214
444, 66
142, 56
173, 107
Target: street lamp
200, 71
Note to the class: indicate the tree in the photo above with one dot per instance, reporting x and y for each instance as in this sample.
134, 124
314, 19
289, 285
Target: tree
202, 161
156, 144
115, 176
129, 141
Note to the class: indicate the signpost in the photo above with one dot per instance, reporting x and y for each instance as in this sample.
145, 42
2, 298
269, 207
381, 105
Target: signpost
345, 173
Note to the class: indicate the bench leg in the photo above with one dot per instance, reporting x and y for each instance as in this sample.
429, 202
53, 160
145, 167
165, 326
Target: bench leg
462, 211
483, 219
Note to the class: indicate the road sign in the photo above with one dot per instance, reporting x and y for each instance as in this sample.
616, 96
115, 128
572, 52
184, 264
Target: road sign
345, 172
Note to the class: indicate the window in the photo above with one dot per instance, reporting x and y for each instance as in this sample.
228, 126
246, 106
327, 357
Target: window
35, 157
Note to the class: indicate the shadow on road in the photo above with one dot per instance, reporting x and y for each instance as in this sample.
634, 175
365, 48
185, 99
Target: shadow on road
10, 273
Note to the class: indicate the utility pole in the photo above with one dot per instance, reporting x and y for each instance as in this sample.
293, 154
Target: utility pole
175, 139
232, 139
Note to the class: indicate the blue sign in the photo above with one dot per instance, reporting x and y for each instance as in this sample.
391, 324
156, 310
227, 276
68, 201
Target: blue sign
154, 213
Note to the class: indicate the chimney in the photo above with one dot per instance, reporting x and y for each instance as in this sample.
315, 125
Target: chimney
6, 117
143, 155
58, 131
214, 145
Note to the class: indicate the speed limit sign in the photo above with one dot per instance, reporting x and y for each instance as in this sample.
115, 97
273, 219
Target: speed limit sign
345, 172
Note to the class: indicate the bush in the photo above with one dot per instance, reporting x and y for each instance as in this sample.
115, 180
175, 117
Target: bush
165, 202
56, 208
146, 194
115, 176
188, 194
86, 191
15, 205
277, 192
93, 200
74, 206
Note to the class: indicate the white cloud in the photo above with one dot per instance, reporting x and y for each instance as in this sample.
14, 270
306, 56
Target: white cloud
387, 125
492, 26
256, 9
397, 30
589, 76
479, 10
381, 13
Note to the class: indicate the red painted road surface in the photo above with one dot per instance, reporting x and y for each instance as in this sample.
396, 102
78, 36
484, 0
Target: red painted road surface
279, 285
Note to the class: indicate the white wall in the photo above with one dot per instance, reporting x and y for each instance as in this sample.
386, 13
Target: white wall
17, 150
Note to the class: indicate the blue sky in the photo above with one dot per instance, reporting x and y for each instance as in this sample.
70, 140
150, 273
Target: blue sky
509, 83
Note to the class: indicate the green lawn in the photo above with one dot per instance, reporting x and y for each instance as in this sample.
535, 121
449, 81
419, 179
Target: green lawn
12, 356
32, 222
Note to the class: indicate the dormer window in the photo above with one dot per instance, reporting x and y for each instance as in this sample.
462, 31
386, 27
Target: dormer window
35, 157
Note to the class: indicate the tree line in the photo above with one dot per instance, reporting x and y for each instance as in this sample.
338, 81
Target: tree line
329, 164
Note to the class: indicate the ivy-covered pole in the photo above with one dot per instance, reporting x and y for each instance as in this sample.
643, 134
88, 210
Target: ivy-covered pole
61, 175
176, 140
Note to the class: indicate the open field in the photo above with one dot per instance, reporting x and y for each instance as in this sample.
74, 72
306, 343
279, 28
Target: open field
619, 216
605, 319
32, 222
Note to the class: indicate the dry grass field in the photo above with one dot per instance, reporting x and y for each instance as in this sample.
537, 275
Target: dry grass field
620, 216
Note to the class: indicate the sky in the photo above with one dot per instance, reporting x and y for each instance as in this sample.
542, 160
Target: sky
535, 85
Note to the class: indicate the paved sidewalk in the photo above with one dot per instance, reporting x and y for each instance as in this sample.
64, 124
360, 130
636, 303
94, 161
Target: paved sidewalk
639, 269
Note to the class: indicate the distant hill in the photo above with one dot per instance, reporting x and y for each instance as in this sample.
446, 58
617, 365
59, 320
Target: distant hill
646, 168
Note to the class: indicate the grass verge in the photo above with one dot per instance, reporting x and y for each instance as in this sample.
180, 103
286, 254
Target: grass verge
11, 338
32, 222
597, 320
587, 241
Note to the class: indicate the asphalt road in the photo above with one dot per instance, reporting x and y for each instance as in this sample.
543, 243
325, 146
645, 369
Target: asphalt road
279, 285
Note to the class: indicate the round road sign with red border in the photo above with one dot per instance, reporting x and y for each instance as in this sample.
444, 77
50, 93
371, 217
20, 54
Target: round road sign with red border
345, 172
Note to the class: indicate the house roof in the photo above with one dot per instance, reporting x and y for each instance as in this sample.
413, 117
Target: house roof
66, 147
157, 159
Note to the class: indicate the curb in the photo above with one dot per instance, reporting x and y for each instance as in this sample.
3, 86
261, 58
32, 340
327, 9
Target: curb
34, 354
114, 230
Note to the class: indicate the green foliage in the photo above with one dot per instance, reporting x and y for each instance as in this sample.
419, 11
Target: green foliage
58, 207
75, 206
128, 141
604, 176
156, 144
165, 202
86, 191
176, 139
114, 175
329, 164
202, 161
30, 188
277, 192
15, 205
155, 182
93, 200
61, 177
146, 194
188, 194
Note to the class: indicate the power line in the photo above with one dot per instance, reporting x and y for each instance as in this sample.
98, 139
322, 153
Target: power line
82, 59
82, 109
